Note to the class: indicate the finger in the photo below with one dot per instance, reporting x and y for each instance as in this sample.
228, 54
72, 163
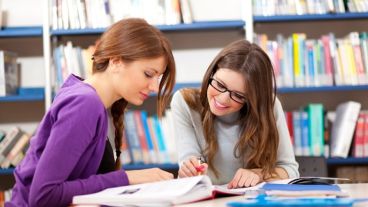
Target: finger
190, 168
235, 180
255, 181
181, 173
186, 171
242, 181
249, 179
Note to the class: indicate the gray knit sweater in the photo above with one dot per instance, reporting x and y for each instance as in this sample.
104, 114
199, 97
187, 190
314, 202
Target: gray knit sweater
190, 140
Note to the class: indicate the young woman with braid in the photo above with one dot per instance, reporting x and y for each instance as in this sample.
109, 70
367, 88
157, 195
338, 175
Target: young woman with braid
69, 154
234, 122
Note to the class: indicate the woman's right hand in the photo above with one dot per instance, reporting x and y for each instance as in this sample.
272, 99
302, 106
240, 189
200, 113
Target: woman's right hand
192, 167
147, 175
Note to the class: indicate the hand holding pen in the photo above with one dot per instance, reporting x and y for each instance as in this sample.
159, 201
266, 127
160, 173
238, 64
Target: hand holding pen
192, 167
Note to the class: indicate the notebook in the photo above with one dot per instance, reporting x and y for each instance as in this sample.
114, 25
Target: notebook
163, 193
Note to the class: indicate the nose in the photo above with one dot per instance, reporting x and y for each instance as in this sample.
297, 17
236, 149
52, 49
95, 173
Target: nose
154, 85
224, 97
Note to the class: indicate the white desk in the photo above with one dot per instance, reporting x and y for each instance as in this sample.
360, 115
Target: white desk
355, 191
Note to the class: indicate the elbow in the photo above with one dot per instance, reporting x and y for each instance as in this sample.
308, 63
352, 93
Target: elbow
44, 198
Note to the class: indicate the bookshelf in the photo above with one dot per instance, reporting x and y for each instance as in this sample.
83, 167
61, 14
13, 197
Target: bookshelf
293, 98
214, 35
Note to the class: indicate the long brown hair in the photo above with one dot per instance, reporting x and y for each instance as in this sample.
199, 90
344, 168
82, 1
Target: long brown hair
257, 122
133, 39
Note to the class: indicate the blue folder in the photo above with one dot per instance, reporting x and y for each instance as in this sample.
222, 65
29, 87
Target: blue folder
300, 187
299, 202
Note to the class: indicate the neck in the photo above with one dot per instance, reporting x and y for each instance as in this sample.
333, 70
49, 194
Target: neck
101, 83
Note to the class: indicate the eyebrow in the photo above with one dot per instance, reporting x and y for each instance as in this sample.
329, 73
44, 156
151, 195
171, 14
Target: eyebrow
153, 70
222, 82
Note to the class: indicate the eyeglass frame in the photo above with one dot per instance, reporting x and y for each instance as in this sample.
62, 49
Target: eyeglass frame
231, 93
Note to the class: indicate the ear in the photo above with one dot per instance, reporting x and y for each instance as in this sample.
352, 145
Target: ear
115, 64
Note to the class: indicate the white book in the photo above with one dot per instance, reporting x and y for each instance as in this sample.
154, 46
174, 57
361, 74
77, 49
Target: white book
163, 193
343, 128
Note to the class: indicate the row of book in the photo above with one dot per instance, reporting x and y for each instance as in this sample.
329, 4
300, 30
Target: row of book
301, 7
300, 62
343, 133
81, 14
9, 73
5, 196
13, 146
69, 59
148, 139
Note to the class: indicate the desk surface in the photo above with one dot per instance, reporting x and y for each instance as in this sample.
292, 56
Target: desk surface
355, 191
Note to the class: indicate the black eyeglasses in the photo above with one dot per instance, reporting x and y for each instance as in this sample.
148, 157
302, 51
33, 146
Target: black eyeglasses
233, 95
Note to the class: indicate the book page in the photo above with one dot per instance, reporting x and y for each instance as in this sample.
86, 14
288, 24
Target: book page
163, 192
237, 191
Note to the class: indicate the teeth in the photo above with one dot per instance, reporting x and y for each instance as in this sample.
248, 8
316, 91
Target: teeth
219, 105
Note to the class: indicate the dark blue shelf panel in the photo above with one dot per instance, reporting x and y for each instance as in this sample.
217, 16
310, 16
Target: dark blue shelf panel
179, 86
144, 166
61, 32
177, 27
21, 31
17, 98
6, 171
322, 89
310, 17
348, 161
208, 25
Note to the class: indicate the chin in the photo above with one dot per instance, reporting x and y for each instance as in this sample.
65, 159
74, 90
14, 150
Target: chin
136, 102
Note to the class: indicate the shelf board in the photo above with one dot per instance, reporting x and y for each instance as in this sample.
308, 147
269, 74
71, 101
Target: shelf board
348, 161
330, 161
170, 166
18, 98
322, 89
310, 17
177, 27
6, 171
35, 31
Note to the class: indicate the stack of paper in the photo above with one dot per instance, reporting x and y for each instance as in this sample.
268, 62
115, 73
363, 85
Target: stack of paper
300, 190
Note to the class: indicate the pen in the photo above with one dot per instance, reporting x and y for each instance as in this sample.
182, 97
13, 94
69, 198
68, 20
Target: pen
200, 167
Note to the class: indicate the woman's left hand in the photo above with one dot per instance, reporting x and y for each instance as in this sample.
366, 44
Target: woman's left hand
244, 178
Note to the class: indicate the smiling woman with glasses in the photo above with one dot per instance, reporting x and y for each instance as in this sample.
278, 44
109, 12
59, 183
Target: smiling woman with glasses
235, 96
234, 122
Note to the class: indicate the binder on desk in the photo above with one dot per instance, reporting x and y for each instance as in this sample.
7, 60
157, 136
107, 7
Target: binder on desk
299, 202
301, 190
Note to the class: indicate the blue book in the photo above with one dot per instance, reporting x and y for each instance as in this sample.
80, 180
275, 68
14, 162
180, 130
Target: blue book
300, 187
300, 202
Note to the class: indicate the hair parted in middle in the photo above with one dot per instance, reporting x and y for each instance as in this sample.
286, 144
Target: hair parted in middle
258, 142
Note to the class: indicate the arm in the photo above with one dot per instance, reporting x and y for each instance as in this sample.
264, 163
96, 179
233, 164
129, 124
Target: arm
75, 126
286, 166
285, 153
186, 138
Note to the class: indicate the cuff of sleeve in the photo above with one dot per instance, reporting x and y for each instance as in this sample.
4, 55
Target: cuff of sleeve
124, 176
292, 173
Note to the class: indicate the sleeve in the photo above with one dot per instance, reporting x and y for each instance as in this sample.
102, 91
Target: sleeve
285, 153
185, 135
72, 133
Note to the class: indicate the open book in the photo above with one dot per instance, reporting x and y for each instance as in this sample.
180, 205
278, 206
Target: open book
192, 189
169, 192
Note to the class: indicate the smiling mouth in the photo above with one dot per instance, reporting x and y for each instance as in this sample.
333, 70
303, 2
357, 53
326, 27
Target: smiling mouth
219, 105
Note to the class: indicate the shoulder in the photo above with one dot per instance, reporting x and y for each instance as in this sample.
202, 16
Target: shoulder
82, 99
277, 105
188, 97
178, 99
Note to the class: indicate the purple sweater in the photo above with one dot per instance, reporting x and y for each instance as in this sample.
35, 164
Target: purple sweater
66, 151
